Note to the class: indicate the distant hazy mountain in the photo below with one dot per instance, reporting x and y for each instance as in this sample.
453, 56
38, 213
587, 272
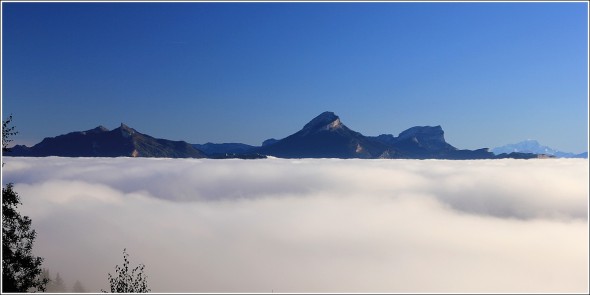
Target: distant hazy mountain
100, 142
533, 146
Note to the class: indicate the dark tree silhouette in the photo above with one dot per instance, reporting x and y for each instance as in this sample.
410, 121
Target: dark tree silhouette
21, 270
7, 132
45, 275
126, 281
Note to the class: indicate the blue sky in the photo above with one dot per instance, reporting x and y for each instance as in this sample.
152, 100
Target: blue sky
488, 73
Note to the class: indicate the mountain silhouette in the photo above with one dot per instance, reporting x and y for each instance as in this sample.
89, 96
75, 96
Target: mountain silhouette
428, 142
325, 136
123, 141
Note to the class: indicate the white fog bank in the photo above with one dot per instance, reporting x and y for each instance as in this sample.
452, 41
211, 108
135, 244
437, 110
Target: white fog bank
321, 225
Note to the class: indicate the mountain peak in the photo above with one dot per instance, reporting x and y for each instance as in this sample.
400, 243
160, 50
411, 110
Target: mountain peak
430, 137
126, 131
422, 130
324, 121
324, 137
530, 141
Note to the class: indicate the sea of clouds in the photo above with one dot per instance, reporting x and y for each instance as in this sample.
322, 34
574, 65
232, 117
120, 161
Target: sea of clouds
311, 225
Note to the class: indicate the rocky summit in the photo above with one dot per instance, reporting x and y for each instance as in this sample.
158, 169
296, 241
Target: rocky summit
325, 136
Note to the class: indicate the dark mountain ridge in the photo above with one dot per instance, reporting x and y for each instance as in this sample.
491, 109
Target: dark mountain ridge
428, 142
325, 136
123, 141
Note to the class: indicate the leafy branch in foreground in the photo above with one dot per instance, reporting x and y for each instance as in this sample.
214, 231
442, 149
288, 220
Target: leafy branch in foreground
126, 281
7, 132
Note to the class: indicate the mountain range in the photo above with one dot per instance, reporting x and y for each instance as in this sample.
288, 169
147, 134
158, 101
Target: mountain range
325, 136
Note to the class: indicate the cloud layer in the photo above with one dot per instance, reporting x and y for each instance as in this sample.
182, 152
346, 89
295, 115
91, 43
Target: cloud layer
323, 225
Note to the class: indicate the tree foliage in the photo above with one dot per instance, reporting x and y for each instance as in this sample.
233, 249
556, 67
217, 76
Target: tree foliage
128, 281
7, 132
21, 270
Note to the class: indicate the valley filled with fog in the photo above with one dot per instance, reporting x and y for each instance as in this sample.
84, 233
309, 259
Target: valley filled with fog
311, 225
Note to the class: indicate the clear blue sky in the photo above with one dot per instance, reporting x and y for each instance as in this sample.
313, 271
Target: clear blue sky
488, 73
